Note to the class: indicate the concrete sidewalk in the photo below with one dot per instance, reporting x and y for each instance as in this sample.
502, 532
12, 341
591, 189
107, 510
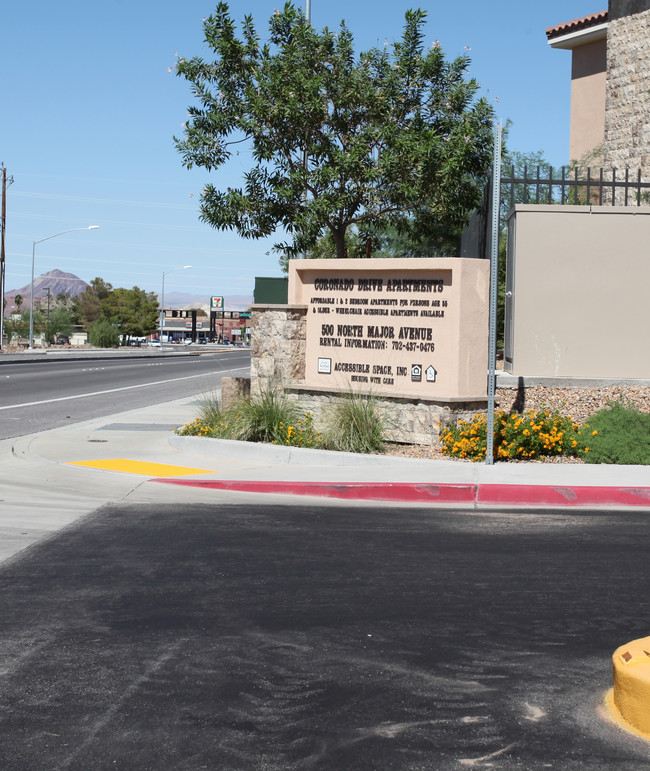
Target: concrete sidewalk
134, 451
145, 436
297, 471
50, 479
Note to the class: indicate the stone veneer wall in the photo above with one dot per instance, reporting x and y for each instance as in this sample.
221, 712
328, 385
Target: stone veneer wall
406, 421
627, 124
278, 335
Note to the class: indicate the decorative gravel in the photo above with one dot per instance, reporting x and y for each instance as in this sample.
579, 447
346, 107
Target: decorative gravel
577, 403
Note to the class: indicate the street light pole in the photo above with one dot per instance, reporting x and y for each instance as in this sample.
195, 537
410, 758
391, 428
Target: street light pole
162, 299
31, 293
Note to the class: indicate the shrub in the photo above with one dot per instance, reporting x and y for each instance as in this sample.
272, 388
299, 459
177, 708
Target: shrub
102, 334
210, 409
355, 425
516, 437
268, 418
197, 427
261, 418
617, 434
302, 434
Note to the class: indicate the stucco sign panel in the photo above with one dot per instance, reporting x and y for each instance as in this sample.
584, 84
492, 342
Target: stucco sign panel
411, 328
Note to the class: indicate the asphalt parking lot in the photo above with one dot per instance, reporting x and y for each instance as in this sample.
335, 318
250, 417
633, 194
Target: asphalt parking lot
329, 637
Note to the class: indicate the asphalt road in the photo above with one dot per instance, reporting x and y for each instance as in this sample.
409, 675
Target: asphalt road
303, 636
39, 395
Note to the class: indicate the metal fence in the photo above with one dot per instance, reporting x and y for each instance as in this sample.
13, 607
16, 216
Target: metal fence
548, 186
603, 187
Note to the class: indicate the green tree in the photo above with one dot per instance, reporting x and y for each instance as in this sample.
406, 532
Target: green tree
90, 300
516, 164
393, 137
70, 304
18, 325
60, 323
103, 334
18, 300
134, 311
384, 242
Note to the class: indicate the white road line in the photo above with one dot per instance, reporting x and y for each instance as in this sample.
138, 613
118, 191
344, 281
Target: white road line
115, 390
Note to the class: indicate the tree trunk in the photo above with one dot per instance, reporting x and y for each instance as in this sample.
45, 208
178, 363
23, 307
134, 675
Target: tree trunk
339, 242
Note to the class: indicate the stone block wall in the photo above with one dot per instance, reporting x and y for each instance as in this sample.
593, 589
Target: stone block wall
277, 346
627, 127
234, 390
406, 421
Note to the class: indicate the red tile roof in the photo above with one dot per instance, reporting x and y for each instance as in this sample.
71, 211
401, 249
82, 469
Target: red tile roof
575, 25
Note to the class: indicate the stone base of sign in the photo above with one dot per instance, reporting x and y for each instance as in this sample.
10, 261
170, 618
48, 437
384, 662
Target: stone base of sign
406, 421
278, 362
234, 389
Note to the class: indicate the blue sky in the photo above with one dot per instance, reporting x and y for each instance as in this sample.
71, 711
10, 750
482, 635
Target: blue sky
89, 110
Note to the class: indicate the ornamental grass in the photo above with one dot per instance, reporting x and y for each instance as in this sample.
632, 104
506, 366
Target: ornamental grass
268, 418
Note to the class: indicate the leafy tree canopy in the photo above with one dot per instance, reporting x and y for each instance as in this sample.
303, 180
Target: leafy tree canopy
133, 311
59, 323
90, 300
394, 137
387, 241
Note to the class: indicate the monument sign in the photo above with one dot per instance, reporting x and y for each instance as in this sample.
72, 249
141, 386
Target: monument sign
410, 328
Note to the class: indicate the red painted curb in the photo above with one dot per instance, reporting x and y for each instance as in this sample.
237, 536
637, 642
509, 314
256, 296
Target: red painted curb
405, 492
558, 495
414, 492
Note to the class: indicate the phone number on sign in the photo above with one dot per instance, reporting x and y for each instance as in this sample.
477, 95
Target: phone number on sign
398, 345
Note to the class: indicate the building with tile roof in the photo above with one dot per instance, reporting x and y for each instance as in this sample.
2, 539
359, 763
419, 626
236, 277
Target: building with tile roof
586, 38
610, 83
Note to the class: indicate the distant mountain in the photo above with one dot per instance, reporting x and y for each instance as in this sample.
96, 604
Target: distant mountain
232, 302
56, 281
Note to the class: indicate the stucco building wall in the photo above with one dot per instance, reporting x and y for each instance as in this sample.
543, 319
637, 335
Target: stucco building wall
588, 89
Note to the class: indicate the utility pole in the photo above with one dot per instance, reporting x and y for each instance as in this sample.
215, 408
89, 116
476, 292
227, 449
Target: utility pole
3, 224
47, 325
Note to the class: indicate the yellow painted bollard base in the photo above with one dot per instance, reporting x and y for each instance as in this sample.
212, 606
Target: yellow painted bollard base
611, 712
630, 696
140, 467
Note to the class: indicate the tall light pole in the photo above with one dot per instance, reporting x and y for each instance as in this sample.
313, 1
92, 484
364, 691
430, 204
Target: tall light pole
162, 298
31, 294
305, 156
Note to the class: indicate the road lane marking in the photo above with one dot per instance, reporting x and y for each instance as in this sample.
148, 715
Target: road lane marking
115, 390
143, 468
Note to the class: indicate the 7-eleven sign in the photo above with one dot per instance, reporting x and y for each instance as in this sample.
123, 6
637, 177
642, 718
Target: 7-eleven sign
216, 303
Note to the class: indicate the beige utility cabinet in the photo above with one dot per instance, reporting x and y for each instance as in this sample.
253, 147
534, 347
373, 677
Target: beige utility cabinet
578, 292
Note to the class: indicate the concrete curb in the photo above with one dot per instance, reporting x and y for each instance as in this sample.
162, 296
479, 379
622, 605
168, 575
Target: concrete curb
281, 454
418, 492
506, 380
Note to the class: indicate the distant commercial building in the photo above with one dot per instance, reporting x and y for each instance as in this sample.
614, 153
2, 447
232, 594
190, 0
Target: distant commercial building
186, 324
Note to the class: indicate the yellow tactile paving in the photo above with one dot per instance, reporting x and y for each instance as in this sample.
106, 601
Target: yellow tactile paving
140, 467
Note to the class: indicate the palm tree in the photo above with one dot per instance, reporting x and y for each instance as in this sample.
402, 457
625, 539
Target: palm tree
18, 300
